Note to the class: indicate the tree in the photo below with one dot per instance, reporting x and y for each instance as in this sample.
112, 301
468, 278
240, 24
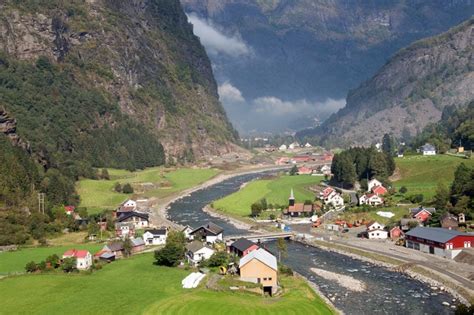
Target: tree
462, 205
118, 187
104, 174
462, 180
282, 248
31, 267
176, 237
403, 190
256, 209
127, 189
263, 204
441, 197
170, 255
218, 259
127, 247
294, 170
388, 145
53, 261
69, 264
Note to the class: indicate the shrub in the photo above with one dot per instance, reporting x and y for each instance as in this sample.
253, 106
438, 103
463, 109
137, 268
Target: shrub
217, 259
127, 189
403, 189
69, 264
118, 187
31, 267
284, 269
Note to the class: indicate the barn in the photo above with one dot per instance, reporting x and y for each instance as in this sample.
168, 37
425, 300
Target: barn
438, 241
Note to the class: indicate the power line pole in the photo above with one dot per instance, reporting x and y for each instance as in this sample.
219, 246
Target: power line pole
41, 202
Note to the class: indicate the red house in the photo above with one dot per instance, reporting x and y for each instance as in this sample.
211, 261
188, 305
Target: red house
422, 214
396, 232
242, 247
305, 170
438, 241
380, 190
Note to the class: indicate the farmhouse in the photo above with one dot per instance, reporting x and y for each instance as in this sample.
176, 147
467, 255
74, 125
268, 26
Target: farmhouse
373, 183
370, 199
124, 229
209, 233
127, 206
155, 236
115, 247
259, 266
83, 258
197, 252
139, 219
242, 247
428, 149
330, 196
438, 241
421, 213
376, 230
379, 190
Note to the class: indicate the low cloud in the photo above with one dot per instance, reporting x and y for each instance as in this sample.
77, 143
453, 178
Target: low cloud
229, 93
277, 107
215, 41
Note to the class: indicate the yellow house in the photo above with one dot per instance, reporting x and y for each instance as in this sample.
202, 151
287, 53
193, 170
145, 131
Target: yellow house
259, 266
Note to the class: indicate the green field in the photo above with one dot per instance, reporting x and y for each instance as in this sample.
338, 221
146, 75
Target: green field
97, 195
276, 191
15, 261
421, 174
136, 286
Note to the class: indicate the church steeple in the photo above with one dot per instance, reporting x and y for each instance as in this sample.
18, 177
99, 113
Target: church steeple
291, 200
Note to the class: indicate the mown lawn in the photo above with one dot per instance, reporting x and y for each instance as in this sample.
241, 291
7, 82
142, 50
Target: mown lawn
276, 191
421, 174
98, 195
136, 286
372, 215
15, 261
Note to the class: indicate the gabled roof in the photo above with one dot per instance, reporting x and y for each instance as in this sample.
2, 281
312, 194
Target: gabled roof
137, 241
115, 246
379, 190
161, 231
126, 215
427, 147
196, 246
439, 235
242, 244
76, 253
211, 228
415, 211
262, 256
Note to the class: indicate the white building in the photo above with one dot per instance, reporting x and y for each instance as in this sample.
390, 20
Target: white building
197, 252
155, 236
294, 145
376, 230
83, 258
209, 233
370, 199
428, 149
187, 232
373, 183
282, 147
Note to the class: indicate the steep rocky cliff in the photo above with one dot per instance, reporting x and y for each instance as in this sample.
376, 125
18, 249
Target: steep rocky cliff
409, 92
139, 57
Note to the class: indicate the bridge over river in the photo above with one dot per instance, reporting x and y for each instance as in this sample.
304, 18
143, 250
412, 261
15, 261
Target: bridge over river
261, 237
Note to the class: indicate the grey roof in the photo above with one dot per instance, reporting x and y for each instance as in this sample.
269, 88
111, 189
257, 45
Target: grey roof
242, 244
439, 235
107, 255
137, 241
194, 246
161, 231
210, 228
125, 215
405, 221
115, 246
427, 147
261, 255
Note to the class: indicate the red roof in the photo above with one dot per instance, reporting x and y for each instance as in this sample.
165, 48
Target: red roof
379, 190
327, 191
69, 208
76, 253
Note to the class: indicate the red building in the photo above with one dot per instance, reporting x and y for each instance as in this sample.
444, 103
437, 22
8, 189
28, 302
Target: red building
438, 241
242, 247
422, 214
396, 232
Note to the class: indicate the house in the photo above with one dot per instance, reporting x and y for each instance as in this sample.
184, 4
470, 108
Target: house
406, 224
209, 233
379, 190
105, 256
396, 232
124, 229
376, 230
155, 236
421, 213
128, 205
282, 147
370, 199
438, 241
372, 184
428, 149
259, 266
323, 195
307, 145
242, 247
293, 145
197, 252
300, 210
139, 219
115, 247
187, 232
69, 210
335, 200
449, 221
138, 244
83, 258
305, 170
326, 170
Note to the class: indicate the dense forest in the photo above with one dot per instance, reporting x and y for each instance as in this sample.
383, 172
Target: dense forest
456, 128
360, 164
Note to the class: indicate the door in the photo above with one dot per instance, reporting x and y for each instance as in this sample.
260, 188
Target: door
431, 250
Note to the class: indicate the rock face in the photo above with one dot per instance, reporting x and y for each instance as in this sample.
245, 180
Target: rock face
141, 54
8, 128
407, 93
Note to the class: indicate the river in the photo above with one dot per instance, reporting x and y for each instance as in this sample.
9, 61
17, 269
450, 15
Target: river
388, 292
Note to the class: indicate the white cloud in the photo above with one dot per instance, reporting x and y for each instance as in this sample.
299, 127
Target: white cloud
277, 107
229, 93
215, 41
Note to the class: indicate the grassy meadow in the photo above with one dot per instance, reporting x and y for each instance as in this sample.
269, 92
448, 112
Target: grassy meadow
136, 286
276, 191
421, 174
15, 261
97, 195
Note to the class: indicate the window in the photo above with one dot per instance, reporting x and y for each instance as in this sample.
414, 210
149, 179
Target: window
270, 279
264, 279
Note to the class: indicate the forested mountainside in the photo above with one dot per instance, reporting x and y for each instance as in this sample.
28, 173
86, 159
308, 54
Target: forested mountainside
408, 93
290, 56
100, 83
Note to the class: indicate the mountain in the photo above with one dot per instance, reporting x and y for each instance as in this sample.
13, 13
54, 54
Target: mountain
408, 93
278, 60
101, 83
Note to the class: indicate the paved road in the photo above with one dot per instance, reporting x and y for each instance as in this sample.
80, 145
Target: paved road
465, 282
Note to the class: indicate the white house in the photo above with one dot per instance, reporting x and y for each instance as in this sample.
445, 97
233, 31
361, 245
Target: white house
282, 147
197, 252
294, 145
428, 149
187, 232
373, 183
308, 145
139, 219
336, 200
83, 258
155, 236
370, 199
376, 230
209, 233
326, 170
